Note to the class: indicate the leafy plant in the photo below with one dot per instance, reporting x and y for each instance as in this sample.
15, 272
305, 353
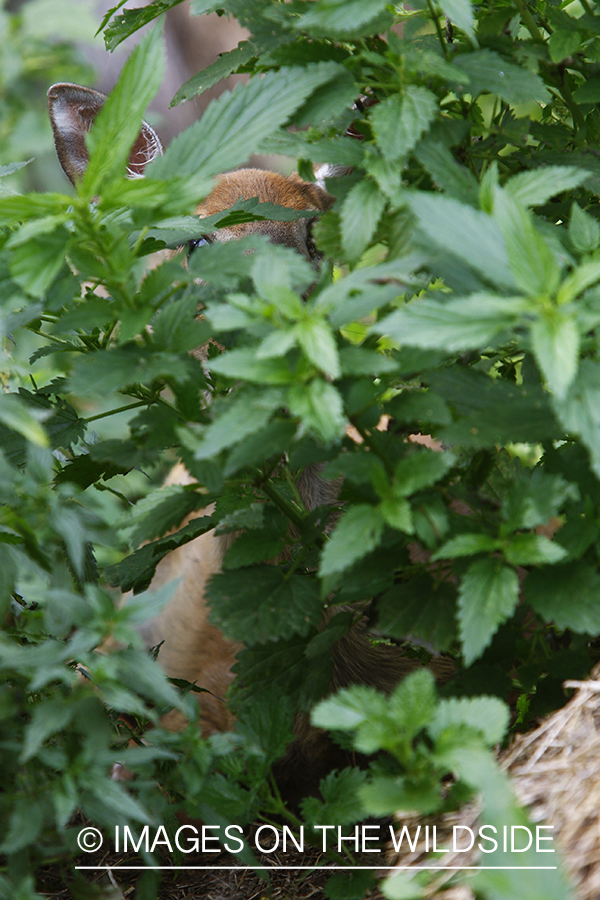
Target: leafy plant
458, 296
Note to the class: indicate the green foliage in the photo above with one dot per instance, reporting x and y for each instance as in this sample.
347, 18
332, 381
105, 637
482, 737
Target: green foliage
458, 296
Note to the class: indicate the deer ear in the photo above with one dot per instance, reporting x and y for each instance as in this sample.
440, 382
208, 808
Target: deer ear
72, 110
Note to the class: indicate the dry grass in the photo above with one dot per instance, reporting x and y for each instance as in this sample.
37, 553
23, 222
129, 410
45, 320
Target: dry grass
555, 772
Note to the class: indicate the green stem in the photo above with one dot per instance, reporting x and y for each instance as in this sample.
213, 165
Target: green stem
113, 412
50, 337
529, 22
436, 21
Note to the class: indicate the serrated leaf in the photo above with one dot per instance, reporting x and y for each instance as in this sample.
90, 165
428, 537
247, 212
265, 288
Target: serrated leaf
531, 259
339, 17
245, 414
488, 71
357, 533
106, 371
486, 714
419, 608
566, 595
360, 214
532, 550
456, 324
555, 340
466, 545
421, 469
535, 187
487, 596
349, 708
224, 65
350, 885
243, 363
338, 806
136, 571
131, 20
118, 123
579, 411
455, 180
471, 235
563, 44
317, 341
318, 405
235, 124
584, 230
585, 275
461, 12
400, 121
263, 604
35, 264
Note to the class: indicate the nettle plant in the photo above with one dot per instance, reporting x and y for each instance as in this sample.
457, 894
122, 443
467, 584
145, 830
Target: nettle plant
459, 295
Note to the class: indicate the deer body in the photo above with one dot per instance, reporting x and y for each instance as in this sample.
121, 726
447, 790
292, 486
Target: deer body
192, 648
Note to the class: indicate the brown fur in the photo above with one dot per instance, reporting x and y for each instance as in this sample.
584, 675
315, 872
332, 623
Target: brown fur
192, 648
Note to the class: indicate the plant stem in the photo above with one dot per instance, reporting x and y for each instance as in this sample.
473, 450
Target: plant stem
436, 22
113, 412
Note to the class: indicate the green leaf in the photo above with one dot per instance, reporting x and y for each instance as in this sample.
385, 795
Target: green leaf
488, 71
131, 20
400, 121
460, 12
492, 411
555, 340
48, 717
35, 264
421, 469
244, 415
530, 257
338, 807
584, 230
466, 545
454, 179
456, 324
535, 187
350, 885
468, 233
19, 208
246, 364
136, 571
487, 596
263, 604
566, 595
106, 371
533, 550
563, 44
15, 415
532, 498
357, 533
579, 410
235, 124
360, 214
349, 708
224, 65
486, 714
420, 608
316, 339
117, 125
342, 17
319, 407
585, 275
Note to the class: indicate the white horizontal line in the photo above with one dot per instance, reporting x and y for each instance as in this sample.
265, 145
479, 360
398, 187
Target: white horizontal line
318, 868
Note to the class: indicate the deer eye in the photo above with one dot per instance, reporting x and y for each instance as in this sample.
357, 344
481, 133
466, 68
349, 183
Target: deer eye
193, 245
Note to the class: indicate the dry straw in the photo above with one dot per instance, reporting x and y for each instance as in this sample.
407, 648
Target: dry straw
555, 772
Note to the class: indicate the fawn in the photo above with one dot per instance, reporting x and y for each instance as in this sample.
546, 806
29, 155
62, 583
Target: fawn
192, 648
